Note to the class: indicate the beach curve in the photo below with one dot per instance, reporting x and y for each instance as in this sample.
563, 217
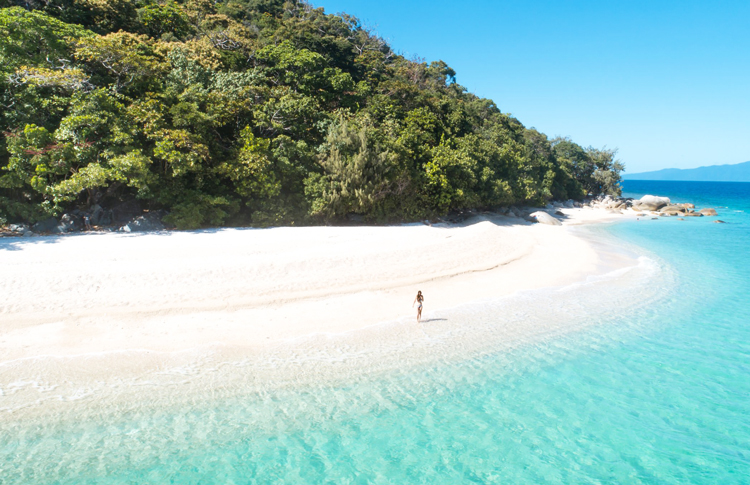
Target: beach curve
278, 300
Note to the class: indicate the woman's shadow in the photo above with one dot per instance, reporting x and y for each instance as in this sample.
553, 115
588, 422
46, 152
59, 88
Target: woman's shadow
434, 320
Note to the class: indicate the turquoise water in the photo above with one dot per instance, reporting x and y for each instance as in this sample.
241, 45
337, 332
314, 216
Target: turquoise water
653, 394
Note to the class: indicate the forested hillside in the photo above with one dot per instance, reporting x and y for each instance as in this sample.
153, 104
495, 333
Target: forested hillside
253, 112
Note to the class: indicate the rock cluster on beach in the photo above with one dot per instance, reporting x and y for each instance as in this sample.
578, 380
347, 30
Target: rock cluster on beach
648, 205
126, 217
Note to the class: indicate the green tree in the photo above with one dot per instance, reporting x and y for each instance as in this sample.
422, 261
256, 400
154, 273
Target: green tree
607, 173
162, 19
120, 59
354, 171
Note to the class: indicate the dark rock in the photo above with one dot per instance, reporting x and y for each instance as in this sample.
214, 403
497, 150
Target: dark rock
73, 220
28, 234
126, 211
693, 214
719, 221
47, 225
100, 216
145, 223
69, 222
355, 218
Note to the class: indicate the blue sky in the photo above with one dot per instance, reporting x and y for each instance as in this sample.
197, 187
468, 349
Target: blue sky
667, 83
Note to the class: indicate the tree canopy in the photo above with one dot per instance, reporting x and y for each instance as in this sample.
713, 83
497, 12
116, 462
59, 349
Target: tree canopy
254, 112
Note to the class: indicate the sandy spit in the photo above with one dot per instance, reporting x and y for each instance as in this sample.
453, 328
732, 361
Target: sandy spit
168, 292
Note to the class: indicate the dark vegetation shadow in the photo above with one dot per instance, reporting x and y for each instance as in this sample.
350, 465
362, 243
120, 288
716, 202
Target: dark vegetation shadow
10, 243
13, 243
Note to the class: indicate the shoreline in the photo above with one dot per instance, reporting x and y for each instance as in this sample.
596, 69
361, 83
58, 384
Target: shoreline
56, 358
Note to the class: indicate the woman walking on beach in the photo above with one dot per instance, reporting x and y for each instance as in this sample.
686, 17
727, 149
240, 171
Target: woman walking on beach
419, 299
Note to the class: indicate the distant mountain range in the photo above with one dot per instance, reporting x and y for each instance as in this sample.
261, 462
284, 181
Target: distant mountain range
739, 172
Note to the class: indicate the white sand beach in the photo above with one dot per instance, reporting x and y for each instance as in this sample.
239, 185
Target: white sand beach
253, 287
105, 307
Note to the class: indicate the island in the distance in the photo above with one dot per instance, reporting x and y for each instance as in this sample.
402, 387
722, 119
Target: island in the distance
739, 172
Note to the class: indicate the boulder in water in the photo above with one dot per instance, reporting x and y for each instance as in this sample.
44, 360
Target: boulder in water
647, 207
653, 199
652, 202
709, 212
673, 208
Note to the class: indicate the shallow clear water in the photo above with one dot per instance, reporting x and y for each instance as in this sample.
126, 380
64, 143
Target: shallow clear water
647, 394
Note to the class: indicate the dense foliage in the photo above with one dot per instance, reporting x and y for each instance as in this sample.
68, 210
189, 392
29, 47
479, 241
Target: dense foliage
253, 112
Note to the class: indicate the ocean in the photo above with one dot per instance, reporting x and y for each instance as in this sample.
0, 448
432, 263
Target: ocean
653, 392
